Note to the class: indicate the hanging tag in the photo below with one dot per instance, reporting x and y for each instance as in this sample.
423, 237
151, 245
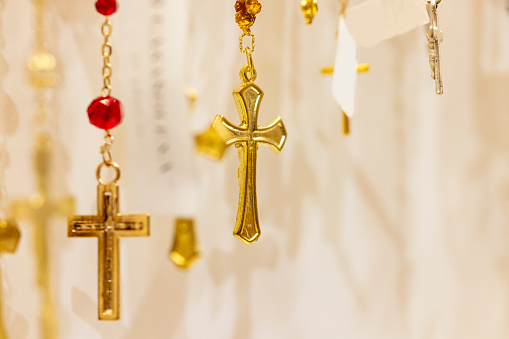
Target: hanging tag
373, 21
345, 70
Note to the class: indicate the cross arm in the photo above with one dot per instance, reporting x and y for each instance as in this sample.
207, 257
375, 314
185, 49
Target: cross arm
132, 225
227, 131
85, 226
273, 135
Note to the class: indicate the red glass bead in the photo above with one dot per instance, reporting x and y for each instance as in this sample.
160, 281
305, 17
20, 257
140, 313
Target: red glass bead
105, 112
106, 7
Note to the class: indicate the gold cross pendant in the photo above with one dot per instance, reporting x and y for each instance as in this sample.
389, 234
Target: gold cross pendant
246, 138
9, 238
108, 226
39, 210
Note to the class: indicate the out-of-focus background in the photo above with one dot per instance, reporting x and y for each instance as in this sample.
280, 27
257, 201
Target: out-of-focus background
399, 231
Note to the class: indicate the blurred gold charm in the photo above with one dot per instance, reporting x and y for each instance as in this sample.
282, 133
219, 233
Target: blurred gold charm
309, 9
246, 138
435, 37
9, 238
211, 144
42, 64
185, 250
108, 226
39, 210
42, 67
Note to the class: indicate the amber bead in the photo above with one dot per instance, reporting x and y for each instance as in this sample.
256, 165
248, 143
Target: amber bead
246, 12
240, 6
253, 7
244, 20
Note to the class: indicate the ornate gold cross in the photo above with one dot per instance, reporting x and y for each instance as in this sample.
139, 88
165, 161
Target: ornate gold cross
108, 226
9, 238
39, 210
246, 138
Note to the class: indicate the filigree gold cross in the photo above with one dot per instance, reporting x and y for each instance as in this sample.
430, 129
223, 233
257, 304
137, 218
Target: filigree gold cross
108, 226
246, 138
9, 238
39, 210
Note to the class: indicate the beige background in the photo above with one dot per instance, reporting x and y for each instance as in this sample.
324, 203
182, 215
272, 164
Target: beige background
399, 231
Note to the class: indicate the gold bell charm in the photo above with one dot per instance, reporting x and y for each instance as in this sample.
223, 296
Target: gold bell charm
9, 236
309, 9
185, 251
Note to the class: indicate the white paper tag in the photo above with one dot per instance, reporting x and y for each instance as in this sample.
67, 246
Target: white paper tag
372, 21
345, 70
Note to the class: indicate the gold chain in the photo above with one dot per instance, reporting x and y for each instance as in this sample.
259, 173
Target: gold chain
248, 72
107, 50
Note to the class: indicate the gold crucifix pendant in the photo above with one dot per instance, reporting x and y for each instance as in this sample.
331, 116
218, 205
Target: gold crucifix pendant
108, 226
246, 138
435, 37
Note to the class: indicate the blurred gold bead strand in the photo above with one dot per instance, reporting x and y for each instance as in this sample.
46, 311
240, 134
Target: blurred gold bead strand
39, 209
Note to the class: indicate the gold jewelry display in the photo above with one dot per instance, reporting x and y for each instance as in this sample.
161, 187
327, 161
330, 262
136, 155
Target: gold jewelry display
40, 209
108, 225
248, 135
435, 37
309, 9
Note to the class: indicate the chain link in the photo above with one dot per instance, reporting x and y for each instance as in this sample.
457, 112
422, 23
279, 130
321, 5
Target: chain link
241, 42
106, 50
105, 148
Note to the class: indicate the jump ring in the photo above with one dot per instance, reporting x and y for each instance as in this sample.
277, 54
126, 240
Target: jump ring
115, 166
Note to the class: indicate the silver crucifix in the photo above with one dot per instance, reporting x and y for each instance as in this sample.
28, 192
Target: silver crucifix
435, 37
